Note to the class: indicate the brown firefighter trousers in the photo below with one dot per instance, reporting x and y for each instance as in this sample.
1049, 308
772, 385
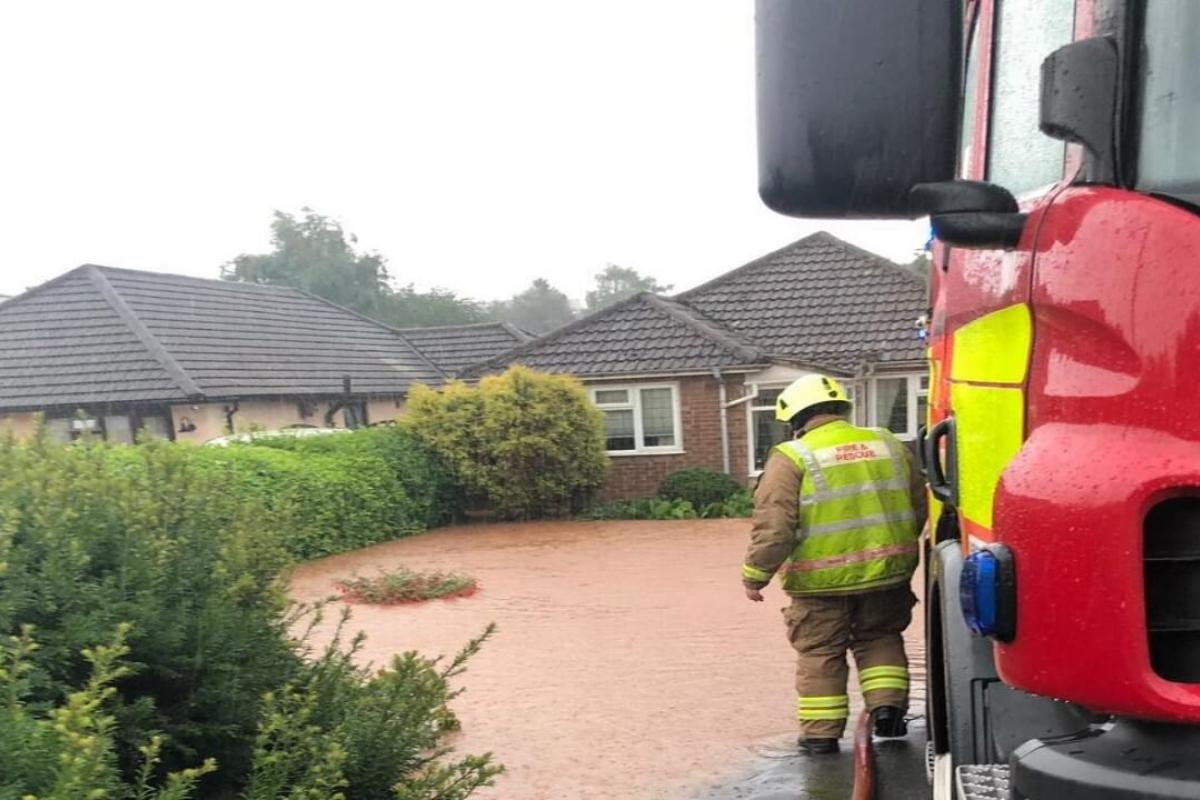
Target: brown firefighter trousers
823, 628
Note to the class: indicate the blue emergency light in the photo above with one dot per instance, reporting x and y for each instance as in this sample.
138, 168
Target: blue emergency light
987, 591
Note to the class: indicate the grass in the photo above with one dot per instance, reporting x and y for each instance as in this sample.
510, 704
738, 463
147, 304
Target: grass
403, 585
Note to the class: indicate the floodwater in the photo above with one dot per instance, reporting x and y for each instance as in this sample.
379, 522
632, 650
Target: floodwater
628, 663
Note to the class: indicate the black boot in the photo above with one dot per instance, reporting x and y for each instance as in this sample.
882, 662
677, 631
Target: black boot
818, 746
889, 722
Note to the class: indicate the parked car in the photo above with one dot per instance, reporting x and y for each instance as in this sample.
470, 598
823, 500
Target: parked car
294, 430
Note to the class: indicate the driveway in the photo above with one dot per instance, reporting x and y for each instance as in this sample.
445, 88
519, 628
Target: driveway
628, 664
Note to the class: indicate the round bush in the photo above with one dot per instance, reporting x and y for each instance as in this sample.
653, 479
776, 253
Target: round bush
524, 444
699, 486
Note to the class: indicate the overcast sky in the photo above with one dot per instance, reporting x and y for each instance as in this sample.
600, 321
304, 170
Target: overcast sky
476, 145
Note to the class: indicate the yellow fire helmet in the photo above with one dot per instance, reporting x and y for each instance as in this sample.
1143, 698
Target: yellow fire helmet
807, 392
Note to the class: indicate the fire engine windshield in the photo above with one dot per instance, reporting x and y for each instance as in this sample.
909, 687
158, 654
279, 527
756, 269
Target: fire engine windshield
1169, 116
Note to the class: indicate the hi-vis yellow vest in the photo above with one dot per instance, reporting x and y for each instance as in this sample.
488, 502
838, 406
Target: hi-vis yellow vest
856, 527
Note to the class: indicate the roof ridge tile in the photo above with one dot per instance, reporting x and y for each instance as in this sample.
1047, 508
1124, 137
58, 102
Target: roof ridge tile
708, 328
148, 340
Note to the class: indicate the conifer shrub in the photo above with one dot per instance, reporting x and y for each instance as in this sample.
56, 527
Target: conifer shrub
146, 639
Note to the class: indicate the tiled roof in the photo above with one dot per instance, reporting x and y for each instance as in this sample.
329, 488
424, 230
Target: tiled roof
99, 334
820, 299
644, 333
817, 302
453, 347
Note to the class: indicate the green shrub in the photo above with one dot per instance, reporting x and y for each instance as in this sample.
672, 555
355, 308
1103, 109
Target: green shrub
428, 487
643, 508
101, 536
524, 444
179, 550
337, 493
405, 586
69, 751
391, 724
326, 503
737, 505
740, 504
700, 487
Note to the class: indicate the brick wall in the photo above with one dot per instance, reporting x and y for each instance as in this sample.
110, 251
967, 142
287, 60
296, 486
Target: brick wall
635, 476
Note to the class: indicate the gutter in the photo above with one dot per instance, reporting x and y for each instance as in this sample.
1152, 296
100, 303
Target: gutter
746, 398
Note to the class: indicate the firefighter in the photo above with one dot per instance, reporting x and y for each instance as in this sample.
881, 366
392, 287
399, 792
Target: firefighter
837, 513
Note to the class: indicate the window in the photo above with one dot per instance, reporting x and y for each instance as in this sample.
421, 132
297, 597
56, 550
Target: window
1021, 157
765, 430
159, 427
640, 419
59, 430
900, 404
119, 428
1169, 118
970, 104
354, 415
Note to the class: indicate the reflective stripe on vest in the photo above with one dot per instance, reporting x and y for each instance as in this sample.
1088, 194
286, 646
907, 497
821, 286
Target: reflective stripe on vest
856, 527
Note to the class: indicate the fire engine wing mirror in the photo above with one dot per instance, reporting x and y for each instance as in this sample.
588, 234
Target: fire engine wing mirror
970, 214
954, 197
857, 103
1079, 101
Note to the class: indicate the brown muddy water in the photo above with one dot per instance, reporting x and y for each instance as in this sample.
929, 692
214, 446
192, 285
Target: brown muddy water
628, 663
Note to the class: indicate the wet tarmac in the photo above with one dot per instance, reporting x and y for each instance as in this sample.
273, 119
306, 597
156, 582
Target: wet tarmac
628, 663
782, 774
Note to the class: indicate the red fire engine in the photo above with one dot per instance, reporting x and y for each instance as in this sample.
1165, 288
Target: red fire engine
1055, 146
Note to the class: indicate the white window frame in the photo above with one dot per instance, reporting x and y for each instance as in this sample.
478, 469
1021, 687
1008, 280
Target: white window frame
853, 389
634, 404
751, 407
913, 392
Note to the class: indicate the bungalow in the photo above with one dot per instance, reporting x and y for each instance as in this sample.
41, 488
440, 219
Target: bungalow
113, 351
691, 380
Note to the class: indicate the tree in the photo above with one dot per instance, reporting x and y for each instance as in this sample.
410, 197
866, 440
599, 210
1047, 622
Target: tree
408, 308
616, 283
538, 309
919, 266
316, 255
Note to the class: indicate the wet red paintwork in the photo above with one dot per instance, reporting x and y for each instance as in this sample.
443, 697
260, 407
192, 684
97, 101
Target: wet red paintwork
1111, 424
1113, 429
628, 663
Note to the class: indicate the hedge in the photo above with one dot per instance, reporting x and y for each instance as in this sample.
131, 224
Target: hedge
144, 630
423, 475
339, 493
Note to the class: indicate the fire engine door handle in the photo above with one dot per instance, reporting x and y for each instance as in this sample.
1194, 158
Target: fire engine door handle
942, 476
